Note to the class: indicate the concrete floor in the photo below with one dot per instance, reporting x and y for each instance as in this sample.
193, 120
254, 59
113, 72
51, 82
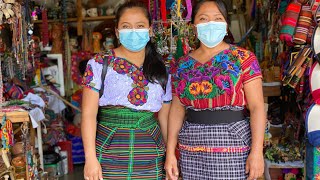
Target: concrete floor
77, 173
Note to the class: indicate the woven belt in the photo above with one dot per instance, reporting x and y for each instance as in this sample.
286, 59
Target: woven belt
214, 117
214, 149
126, 118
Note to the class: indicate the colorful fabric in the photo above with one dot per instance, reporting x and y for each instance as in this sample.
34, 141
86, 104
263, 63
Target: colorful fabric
314, 6
216, 84
316, 161
312, 162
214, 165
125, 84
289, 22
76, 100
76, 58
129, 145
303, 25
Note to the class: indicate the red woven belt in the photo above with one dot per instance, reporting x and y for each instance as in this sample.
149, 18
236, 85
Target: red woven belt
214, 149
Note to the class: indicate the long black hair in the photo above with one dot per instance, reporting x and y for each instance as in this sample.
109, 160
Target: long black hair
220, 4
153, 66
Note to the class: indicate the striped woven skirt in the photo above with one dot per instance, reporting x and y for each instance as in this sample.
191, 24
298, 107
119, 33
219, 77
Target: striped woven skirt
214, 152
129, 145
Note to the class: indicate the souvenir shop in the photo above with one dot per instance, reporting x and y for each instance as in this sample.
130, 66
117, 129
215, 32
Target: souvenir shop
45, 46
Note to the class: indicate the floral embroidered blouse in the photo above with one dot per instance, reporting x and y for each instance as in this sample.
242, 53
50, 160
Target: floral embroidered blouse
125, 84
216, 84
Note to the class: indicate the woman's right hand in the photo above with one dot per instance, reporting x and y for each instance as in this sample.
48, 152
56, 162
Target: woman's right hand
92, 169
171, 167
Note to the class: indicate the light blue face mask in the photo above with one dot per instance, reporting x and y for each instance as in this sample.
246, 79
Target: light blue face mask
134, 39
211, 33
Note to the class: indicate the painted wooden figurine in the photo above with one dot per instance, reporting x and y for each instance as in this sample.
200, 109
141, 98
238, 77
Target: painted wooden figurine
96, 41
56, 38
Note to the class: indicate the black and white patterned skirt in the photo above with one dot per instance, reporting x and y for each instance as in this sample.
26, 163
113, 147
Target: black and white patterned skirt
214, 152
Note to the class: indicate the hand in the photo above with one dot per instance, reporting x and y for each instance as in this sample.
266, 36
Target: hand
255, 165
92, 170
171, 167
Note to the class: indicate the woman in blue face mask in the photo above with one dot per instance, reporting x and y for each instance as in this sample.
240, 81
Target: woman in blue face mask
214, 84
128, 141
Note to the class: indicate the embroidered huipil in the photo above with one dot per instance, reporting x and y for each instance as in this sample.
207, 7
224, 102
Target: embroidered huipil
125, 84
216, 84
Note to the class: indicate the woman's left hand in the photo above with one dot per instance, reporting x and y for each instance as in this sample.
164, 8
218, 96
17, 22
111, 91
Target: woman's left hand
255, 165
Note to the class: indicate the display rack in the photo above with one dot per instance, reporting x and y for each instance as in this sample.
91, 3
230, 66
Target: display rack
23, 117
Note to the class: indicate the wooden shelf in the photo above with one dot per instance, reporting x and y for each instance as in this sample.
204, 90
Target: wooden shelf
16, 116
98, 18
271, 90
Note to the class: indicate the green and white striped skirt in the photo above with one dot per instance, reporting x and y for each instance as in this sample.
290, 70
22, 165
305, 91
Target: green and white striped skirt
129, 144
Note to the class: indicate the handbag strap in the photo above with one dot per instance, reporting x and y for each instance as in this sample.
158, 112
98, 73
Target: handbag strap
103, 75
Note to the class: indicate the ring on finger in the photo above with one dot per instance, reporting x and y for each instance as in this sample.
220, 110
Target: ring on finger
86, 178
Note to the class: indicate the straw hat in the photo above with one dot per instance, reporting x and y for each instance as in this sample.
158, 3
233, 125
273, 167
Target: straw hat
313, 125
315, 83
316, 43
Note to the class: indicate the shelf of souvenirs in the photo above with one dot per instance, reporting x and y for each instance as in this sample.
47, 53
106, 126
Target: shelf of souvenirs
98, 18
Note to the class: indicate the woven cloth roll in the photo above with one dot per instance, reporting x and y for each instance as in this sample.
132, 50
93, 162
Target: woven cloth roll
303, 1
303, 25
314, 5
311, 30
289, 22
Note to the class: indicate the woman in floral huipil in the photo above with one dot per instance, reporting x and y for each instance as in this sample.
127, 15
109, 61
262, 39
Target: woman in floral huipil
126, 140
214, 84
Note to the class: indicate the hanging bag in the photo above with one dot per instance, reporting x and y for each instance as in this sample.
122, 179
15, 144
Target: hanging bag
303, 25
289, 22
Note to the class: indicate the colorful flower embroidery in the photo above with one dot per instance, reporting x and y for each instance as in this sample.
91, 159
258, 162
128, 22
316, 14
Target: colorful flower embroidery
242, 54
317, 177
221, 58
195, 89
195, 76
138, 96
206, 87
224, 83
139, 79
88, 76
212, 84
254, 68
231, 68
211, 72
186, 65
121, 66
181, 87
99, 58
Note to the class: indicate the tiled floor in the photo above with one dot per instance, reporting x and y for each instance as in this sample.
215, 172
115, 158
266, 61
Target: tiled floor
77, 173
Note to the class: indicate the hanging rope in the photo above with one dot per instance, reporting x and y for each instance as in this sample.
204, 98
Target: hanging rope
1, 84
